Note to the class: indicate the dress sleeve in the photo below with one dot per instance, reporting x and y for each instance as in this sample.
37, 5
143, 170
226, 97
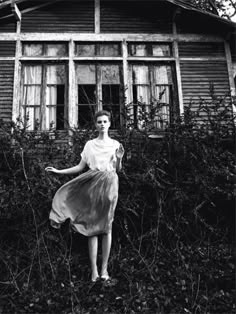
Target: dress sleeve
85, 153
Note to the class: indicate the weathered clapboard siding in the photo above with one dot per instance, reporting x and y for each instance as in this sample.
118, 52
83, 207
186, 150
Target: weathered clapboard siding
233, 50
192, 49
60, 17
144, 17
7, 25
198, 76
7, 48
6, 89
195, 23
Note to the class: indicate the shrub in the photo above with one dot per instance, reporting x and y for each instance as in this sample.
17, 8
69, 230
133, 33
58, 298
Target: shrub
175, 188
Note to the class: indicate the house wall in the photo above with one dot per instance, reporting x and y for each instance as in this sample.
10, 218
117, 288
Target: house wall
60, 17
199, 76
143, 17
203, 72
7, 25
196, 23
198, 46
7, 50
6, 89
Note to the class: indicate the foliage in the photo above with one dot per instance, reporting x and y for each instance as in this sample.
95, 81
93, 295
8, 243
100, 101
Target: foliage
224, 8
173, 230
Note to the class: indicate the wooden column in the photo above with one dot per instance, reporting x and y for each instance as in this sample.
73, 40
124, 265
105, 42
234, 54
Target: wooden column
17, 75
178, 71
97, 16
231, 76
72, 106
125, 72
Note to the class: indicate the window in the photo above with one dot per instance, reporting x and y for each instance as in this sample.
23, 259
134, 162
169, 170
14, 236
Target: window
102, 78
44, 49
149, 50
99, 49
44, 85
43, 96
99, 87
151, 91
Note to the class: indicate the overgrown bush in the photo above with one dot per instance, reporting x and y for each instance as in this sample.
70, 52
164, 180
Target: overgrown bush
175, 188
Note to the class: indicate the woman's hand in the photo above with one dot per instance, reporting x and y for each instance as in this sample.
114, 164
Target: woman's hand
120, 152
52, 169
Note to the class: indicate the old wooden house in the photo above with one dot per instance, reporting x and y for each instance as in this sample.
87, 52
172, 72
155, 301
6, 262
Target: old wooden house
62, 60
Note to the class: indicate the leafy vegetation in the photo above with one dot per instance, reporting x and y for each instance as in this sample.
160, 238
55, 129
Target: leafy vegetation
173, 231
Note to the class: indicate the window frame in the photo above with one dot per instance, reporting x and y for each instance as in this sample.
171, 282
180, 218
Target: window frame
152, 91
124, 59
98, 104
43, 92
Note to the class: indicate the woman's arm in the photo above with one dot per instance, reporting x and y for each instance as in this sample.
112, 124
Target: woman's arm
71, 170
119, 155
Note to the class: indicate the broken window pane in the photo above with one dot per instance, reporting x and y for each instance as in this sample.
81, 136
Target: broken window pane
111, 94
85, 116
97, 84
86, 80
87, 94
115, 115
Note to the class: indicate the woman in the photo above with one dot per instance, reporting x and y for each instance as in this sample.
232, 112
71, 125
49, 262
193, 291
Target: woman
90, 199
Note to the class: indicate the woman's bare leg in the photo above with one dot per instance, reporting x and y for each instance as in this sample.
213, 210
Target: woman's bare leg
93, 251
106, 248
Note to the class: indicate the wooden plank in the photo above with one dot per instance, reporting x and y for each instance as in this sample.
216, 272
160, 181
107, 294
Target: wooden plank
97, 16
42, 36
203, 59
72, 106
44, 58
7, 58
8, 36
16, 11
17, 72
125, 72
231, 76
178, 71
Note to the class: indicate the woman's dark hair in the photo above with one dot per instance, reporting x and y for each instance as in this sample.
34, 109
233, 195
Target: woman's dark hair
102, 113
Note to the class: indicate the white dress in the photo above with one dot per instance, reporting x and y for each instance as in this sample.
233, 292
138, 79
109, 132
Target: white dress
89, 200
